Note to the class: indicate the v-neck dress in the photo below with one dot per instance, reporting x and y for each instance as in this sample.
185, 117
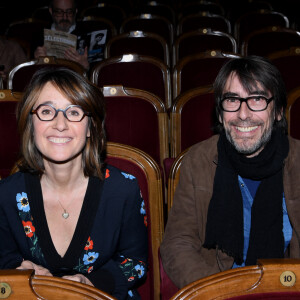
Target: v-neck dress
109, 245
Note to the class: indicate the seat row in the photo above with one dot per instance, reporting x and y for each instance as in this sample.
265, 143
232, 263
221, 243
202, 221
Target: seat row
201, 25
147, 72
140, 119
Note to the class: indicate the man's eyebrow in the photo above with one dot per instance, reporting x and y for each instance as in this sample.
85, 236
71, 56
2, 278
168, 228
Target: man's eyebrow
230, 94
259, 92
256, 92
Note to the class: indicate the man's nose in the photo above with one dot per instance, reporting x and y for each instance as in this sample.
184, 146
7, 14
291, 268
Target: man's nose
244, 112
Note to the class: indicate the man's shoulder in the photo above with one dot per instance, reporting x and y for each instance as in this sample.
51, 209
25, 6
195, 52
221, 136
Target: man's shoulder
207, 147
294, 151
294, 142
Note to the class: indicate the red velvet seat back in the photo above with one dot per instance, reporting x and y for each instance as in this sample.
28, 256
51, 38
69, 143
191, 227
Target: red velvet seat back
195, 42
140, 45
255, 20
295, 120
200, 72
112, 12
158, 25
289, 67
158, 9
197, 120
23, 75
197, 21
167, 287
133, 121
9, 145
146, 289
263, 43
190, 7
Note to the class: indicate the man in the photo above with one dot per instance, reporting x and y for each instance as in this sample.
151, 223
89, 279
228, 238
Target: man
11, 54
238, 196
63, 14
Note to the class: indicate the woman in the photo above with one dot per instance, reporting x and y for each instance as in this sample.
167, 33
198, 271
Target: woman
64, 213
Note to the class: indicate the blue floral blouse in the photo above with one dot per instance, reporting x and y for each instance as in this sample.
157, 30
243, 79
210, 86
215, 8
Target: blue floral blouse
109, 245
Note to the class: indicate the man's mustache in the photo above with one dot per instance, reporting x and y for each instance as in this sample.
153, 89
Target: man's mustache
64, 21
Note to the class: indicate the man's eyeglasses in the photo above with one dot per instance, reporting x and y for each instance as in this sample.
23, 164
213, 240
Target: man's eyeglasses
60, 13
47, 112
254, 103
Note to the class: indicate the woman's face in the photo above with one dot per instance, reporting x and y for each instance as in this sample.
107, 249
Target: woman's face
59, 140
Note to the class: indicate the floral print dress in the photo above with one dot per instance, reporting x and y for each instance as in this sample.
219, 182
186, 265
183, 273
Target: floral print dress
109, 245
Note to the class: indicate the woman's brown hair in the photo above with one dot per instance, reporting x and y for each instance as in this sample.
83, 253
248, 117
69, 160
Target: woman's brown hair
78, 90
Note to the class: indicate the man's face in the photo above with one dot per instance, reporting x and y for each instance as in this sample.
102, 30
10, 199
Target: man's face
248, 131
63, 14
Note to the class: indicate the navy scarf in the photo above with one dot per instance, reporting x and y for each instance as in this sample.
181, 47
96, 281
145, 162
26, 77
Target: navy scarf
224, 228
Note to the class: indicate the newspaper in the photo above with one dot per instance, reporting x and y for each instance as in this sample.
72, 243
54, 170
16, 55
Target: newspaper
56, 42
95, 41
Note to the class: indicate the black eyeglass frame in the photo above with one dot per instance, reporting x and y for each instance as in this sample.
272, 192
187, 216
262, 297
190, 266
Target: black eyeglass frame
35, 111
60, 12
268, 100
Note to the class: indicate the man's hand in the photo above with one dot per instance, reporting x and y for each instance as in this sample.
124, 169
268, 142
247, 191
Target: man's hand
39, 270
72, 54
40, 51
79, 278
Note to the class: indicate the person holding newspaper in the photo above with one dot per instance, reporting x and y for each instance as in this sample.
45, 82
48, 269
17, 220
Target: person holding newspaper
63, 14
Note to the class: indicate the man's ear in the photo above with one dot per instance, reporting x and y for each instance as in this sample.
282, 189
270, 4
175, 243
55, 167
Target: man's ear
220, 119
279, 115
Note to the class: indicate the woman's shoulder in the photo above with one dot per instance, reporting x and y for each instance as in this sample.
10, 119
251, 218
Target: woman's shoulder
12, 180
118, 174
119, 181
11, 185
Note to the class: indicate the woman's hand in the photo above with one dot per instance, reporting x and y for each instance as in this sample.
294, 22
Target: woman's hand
79, 278
39, 270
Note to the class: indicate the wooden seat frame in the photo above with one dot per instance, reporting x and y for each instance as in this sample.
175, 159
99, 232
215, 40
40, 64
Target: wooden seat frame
127, 58
46, 60
155, 196
202, 31
268, 276
174, 177
141, 35
24, 284
177, 70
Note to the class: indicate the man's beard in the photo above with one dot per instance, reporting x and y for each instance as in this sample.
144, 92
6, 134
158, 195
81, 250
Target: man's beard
259, 144
64, 25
